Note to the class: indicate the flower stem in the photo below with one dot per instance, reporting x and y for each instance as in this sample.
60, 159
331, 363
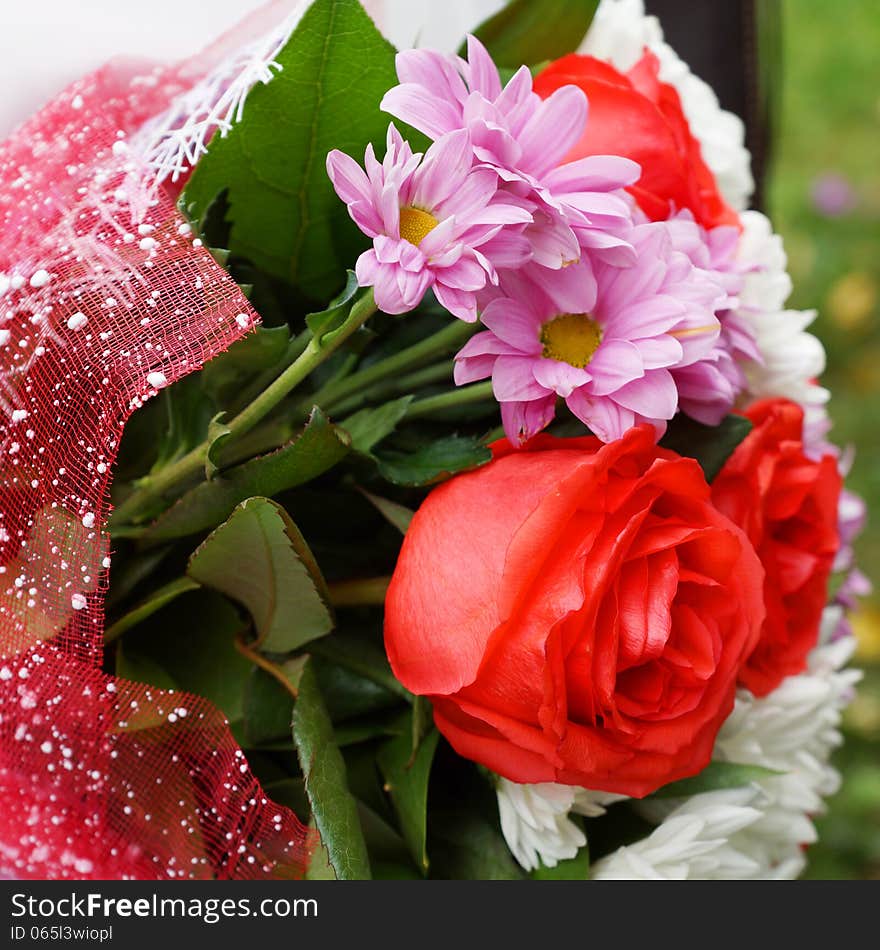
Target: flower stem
159, 483
438, 344
361, 592
458, 397
157, 600
437, 372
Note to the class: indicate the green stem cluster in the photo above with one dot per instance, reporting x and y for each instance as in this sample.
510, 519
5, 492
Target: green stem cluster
159, 483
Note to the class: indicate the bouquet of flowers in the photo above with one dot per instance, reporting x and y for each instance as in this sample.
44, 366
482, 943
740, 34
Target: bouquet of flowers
474, 514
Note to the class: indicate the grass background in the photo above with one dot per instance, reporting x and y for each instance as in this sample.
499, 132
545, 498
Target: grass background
828, 123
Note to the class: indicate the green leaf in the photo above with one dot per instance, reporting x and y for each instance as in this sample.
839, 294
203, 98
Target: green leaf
711, 446
318, 447
715, 776
385, 845
362, 657
142, 669
370, 426
259, 558
348, 695
397, 515
532, 31
333, 806
225, 375
320, 868
406, 781
192, 640
268, 709
146, 608
464, 831
284, 215
325, 323
421, 722
365, 728
434, 461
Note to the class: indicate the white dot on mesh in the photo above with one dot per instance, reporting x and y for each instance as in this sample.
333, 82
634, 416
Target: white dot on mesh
77, 321
78, 602
88, 519
157, 380
40, 278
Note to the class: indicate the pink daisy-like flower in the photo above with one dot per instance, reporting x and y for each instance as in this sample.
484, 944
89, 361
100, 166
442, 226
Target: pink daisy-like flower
709, 388
606, 345
428, 218
524, 138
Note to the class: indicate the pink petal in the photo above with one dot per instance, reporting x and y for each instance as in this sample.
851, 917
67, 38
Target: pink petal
516, 94
522, 420
659, 351
465, 274
607, 247
443, 170
594, 173
460, 303
438, 240
429, 114
389, 209
562, 378
349, 179
482, 71
654, 396
604, 418
507, 249
432, 70
553, 130
472, 194
614, 364
469, 370
485, 343
572, 289
513, 381
515, 323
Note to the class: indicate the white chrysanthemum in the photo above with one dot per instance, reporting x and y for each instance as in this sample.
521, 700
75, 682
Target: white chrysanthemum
792, 358
693, 842
535, 822
619, 33
535, 819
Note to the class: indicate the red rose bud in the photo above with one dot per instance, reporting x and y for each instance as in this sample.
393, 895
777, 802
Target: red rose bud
577, 612
637, 116
787, 505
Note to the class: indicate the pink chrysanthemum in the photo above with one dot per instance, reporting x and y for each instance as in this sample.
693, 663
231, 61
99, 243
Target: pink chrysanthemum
428, 218
709, 388
607, 346
524, 138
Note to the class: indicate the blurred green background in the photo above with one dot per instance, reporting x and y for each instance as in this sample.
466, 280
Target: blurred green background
824, 198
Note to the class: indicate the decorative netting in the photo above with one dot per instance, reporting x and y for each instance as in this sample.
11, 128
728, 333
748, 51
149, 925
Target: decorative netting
105, 297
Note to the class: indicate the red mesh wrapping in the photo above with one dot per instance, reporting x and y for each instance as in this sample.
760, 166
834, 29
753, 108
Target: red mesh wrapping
103, 298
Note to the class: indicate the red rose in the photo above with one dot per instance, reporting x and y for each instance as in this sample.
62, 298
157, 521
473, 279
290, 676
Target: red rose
787, 505
577, 612
639, 117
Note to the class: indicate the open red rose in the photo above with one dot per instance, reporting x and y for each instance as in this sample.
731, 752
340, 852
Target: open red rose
639, 117
787, 505
577, 612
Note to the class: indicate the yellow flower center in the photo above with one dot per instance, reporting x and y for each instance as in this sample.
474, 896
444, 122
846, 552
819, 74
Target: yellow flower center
571, 338
416, 225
